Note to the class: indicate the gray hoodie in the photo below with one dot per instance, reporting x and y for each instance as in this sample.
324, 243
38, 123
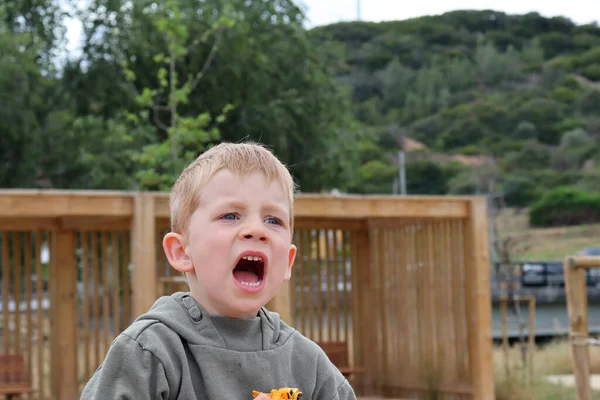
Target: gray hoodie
176, 351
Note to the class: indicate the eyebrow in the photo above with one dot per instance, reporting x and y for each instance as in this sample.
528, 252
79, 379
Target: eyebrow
274, 207
269, 207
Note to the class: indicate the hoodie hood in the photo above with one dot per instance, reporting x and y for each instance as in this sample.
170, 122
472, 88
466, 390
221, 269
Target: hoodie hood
182, 314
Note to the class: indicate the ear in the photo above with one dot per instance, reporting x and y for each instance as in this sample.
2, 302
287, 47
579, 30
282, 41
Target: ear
174, 246
291, 258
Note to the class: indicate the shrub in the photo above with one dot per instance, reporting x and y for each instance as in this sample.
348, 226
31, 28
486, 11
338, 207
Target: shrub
425, 177
592, 72
519, 190
565, 206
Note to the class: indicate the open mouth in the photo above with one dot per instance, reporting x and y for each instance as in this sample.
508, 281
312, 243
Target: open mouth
250, 270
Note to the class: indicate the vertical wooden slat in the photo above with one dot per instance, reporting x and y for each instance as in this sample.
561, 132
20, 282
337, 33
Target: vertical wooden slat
116, 284
479, 300
300, 284
96, 299
447, 311
348, 288
85, 242
5, 289
430, 347
437, 318
390, 308
402, 333
419, 335
458, 303
64, 310
52, 311
294, 283
409, 298
311, 284
338, 278
368, 306
463, 303
144, 277
352, 241
331, 285
164, 288
318, 288
383, 270
105, 339
446, 297
125, 279
28, 303
39, 291
17, 289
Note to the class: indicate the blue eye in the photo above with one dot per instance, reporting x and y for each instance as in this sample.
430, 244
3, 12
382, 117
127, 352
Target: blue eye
229, 217
272, 220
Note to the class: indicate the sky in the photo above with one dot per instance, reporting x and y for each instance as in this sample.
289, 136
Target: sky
322, 12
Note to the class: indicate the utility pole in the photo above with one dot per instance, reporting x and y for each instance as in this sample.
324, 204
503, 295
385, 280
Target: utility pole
402, 173
358, 10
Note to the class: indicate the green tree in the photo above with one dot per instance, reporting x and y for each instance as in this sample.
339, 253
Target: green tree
186, 135
397, 81
277, 82
533, 54
545, 115
425, 177
34, 108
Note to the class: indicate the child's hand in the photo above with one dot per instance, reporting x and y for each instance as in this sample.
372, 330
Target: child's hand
262, 396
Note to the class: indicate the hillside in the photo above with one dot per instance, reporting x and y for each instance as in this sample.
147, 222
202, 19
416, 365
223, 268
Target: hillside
522, 91
479, 100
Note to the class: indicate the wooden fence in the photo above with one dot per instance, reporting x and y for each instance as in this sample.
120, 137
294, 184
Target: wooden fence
403, 281
575, 284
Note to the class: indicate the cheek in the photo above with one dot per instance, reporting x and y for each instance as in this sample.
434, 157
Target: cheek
281, 252
210, 247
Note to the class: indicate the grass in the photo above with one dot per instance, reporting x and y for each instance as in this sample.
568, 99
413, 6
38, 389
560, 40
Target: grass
545, 243
551, 359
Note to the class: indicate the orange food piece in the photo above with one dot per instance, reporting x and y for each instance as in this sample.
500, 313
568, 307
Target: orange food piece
281, 394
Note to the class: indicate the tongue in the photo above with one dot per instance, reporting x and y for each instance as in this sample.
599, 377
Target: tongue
245, 276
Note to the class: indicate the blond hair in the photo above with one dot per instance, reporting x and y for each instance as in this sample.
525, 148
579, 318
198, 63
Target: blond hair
241, 159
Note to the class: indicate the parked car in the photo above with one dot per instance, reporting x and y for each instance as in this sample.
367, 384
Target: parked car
542, 273
590, 252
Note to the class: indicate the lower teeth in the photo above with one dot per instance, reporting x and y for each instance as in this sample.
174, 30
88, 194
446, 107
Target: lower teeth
253, 284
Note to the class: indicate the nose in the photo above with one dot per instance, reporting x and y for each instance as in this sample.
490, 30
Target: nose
254, 229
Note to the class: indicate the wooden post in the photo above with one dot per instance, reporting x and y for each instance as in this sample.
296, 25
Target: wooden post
479, 304
144, 277
578, 324
63, 324
366, 304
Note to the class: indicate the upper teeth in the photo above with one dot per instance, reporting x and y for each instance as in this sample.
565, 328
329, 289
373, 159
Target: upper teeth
252, 258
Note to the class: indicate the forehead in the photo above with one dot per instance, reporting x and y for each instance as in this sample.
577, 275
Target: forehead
254, 187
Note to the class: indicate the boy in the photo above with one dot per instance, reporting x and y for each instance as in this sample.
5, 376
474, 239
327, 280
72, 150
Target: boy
231, 235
